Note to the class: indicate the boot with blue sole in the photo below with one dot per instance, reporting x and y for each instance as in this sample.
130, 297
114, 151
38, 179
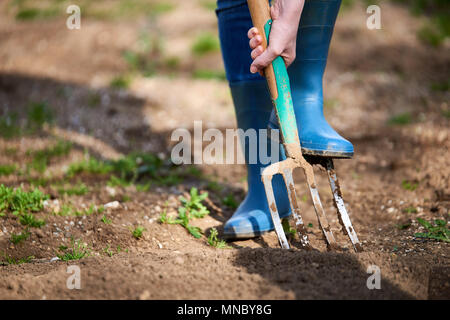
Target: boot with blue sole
317, 137
252, 218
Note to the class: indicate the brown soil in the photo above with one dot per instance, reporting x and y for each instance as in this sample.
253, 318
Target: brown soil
371, 76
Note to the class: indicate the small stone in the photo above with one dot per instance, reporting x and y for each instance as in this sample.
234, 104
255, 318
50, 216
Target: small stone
39, 233
112, 205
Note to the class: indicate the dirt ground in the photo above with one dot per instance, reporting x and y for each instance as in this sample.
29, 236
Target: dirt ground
372, 76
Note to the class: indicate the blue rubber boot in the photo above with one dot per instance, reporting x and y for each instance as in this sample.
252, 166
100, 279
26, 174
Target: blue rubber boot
253, 107
317, 137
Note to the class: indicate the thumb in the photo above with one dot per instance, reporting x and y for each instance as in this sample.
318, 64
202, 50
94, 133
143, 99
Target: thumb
263, 60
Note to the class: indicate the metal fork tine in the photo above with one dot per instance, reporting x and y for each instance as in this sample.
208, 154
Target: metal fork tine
267, 180
290, 186
344, 218
320, 212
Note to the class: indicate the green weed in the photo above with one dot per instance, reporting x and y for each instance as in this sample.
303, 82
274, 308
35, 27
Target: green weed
410, 209
106, 220
208, 4
17, 238
209, 74
28, 14
400, 119
125, 198
78, 251
19, 201
205, 43
409, 185
436, 30
38, 181
230, 202
77, 190
166, 219
39, 113
172, 63
28, 219
134, 168
11, 260
94, 99
215, 242
162, 7
441, 86
214, 186
194, 205
90, 166
7, 169
108, 251
143, 187
42, 158
9, 127
148, 58
347, 4
288, 230
403, 226
437, 231
138, 232
191, 208
114, 181
120, 82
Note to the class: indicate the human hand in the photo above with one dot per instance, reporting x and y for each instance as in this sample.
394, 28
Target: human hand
283, 35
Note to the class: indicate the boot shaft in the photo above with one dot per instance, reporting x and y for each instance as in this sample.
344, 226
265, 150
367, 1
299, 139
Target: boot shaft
313, 42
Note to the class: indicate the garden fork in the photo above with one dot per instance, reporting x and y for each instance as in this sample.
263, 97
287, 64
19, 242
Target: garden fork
279, 87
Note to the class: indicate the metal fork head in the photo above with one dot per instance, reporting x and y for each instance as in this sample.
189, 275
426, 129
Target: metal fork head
284, 168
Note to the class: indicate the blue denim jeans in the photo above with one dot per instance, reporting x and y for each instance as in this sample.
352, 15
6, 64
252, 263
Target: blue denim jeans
234, 22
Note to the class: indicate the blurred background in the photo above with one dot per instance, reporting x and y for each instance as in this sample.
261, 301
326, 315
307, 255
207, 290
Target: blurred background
164, 57
86, 116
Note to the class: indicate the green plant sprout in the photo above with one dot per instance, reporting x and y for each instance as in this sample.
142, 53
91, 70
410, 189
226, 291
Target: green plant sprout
215, 242
439, 231
76, 252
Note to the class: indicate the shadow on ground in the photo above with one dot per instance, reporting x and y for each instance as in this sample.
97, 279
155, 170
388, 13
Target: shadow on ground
315, 275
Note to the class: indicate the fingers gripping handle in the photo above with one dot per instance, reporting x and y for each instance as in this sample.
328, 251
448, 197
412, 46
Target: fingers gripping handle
260, 12
277, 79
